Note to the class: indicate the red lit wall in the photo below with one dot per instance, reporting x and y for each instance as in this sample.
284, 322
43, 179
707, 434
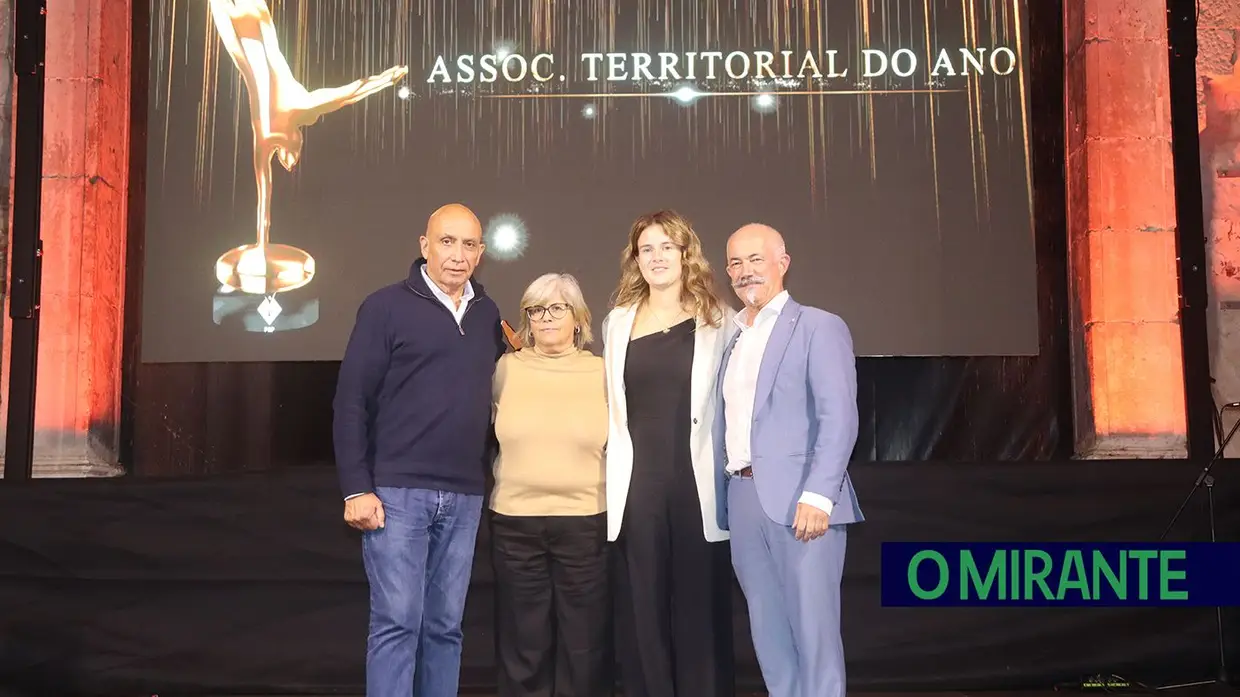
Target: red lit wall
85, 177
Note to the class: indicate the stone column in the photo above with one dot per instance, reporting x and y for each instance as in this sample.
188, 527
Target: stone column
85, 177
1127, 377
1219, 109
1220, 145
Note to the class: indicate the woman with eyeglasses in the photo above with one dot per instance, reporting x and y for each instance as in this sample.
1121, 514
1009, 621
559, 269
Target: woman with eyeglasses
548, 520
663, 343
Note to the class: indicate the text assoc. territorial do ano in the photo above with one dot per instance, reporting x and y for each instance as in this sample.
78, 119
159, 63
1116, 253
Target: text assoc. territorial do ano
713, 65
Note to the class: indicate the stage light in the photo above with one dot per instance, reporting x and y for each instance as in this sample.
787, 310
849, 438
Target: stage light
503, 50
589, 111
505, 237
403, 92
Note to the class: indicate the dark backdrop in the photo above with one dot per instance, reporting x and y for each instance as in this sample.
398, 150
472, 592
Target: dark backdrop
250, 583
201, 418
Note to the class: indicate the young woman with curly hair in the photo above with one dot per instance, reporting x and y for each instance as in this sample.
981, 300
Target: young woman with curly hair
663, 342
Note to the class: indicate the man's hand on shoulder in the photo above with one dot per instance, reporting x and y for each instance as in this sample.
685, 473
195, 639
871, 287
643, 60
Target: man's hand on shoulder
810, 522
364, 512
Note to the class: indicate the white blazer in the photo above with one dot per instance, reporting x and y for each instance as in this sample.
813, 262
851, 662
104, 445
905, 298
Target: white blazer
708, 345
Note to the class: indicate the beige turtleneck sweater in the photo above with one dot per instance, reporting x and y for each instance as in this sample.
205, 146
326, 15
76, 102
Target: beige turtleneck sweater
551, 424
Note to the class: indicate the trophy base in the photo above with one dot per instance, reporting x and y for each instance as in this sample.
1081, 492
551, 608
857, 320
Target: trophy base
264, 269
263, 314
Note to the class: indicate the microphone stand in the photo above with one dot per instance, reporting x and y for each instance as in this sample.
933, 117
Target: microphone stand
1207, 480
1115, 683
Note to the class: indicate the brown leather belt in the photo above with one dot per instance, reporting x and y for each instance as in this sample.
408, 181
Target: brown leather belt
745, 473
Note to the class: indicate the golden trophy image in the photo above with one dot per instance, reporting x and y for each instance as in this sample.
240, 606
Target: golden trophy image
279, 107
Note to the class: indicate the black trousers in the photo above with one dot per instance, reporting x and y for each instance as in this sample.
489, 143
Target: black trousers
553, 606
673, 604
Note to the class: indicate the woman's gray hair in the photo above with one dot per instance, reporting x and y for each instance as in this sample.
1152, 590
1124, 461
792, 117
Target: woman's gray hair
541, 291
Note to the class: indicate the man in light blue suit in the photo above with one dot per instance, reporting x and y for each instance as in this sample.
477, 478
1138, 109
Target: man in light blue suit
786, 424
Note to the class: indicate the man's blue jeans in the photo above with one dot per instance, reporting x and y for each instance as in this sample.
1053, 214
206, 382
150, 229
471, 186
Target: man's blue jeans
419, 565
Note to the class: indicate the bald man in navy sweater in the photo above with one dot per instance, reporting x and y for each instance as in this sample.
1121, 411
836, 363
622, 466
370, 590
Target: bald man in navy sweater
412, 418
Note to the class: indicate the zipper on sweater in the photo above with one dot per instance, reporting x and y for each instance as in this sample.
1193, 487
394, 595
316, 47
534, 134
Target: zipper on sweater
460, 326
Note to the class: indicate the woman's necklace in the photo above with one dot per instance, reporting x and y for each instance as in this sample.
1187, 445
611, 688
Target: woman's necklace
667, 326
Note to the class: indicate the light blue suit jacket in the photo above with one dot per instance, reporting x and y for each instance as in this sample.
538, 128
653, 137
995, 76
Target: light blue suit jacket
805, 417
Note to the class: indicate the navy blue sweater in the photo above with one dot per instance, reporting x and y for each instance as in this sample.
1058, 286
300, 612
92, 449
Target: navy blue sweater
413, 400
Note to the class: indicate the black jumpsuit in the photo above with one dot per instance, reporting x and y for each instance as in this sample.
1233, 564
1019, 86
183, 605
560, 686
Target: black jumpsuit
673, 587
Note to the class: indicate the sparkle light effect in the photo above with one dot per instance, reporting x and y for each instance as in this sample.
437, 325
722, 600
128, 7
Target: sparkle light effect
503, 49
827, 122
505, 237
765, 103
686, 95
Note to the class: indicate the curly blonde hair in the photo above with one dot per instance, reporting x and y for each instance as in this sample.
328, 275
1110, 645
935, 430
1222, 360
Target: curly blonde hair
697, 280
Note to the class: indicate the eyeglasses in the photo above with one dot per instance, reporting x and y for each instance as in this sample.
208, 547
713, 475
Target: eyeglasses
557, 311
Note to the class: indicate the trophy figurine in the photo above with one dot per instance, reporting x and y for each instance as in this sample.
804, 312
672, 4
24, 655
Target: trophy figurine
280, 107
